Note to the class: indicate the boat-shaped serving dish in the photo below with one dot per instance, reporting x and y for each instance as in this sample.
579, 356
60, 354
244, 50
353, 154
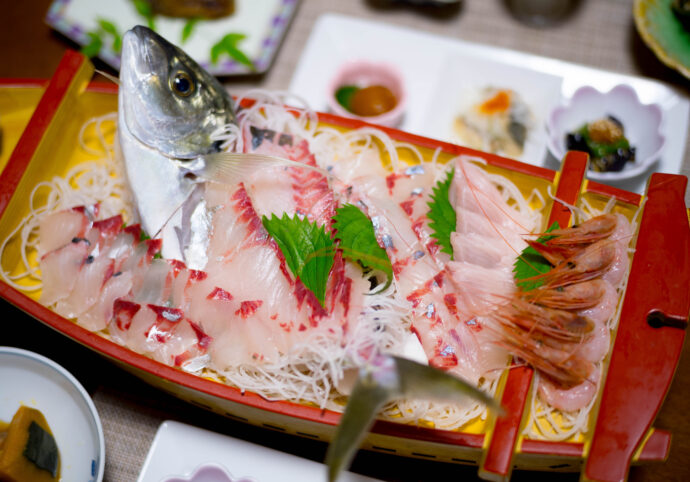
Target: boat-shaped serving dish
640, 367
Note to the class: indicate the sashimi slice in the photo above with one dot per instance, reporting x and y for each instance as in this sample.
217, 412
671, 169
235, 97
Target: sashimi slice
58, 229
97, 316
60, 269
88, 286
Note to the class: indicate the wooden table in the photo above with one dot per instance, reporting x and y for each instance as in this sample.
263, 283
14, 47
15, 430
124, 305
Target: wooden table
599, 34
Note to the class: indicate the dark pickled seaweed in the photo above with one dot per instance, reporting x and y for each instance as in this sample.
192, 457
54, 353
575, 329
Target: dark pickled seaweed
605, 142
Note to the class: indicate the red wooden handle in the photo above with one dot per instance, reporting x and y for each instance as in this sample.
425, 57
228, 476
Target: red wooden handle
644, 357
497, 462
53, 96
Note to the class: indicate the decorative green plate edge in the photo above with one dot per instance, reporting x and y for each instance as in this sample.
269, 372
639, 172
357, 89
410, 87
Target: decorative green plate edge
639, 10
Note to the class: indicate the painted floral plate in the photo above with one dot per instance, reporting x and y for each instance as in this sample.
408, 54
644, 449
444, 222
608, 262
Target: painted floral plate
245, 41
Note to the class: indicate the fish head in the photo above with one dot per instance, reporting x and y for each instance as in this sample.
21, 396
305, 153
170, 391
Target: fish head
168, 102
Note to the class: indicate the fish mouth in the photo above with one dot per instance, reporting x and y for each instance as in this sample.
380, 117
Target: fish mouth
143, 84
144, 52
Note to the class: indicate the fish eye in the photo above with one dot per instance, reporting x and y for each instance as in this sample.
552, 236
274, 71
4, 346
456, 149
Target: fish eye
182, 84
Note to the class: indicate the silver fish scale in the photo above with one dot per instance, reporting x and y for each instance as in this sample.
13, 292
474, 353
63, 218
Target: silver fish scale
448, 350
412, 170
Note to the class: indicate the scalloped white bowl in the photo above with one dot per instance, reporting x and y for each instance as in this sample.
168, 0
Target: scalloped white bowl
642, 124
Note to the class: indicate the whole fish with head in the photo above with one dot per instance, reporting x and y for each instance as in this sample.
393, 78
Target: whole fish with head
168, 109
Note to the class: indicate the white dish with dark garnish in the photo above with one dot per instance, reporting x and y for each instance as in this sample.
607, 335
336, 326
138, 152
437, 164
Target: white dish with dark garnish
30, 379
622, 135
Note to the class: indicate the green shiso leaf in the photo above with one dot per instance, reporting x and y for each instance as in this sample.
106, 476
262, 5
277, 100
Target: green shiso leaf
442, 214
308, 250
357, 237
530, 263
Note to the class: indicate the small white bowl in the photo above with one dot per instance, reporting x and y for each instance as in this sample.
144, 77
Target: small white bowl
27, 378
364, 73
642, 124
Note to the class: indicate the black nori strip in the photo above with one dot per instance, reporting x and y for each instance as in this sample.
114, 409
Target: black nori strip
41, 449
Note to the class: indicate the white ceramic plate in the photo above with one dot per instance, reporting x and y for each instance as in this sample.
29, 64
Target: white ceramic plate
27, 378
422, 59
182, 452
264, 22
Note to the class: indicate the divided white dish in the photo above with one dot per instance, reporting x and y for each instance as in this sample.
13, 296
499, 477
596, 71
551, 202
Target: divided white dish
424, 60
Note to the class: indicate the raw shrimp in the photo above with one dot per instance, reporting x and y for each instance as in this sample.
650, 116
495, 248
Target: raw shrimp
590, 231
561, 328
561, 325
572, 398
586, 294
558, 362
589, 263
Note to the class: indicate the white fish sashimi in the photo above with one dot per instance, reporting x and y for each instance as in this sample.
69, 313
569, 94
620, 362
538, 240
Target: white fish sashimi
60, 269
59, 229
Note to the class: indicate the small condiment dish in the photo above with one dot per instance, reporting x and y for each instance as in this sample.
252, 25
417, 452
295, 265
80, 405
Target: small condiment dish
364, 73
641, 123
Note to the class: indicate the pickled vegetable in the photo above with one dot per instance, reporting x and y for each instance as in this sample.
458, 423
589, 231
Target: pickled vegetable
605, 142
28, 452
366, 101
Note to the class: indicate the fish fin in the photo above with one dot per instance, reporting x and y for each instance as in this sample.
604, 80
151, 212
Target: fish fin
370, 393
231, 168
391, 378
422, 381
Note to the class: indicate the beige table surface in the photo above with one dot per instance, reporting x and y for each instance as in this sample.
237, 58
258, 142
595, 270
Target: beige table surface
600, 34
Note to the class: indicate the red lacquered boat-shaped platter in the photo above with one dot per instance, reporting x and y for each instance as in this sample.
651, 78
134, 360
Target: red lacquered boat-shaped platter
640, 367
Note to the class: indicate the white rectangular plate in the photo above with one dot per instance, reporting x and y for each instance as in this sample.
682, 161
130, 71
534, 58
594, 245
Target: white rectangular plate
179, 450
430, 64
